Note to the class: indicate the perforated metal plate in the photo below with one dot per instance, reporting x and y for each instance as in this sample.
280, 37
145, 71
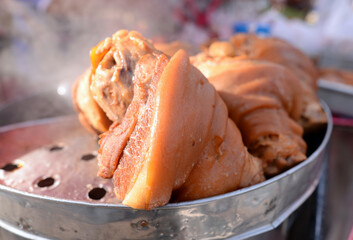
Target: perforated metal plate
63, 164
50, 195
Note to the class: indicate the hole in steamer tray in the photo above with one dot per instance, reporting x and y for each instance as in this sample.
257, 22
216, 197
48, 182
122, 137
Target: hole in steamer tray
88, 157
11, 167
97, 193
55, 148
46, 182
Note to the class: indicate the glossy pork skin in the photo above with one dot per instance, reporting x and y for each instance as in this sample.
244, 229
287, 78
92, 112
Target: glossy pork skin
264, 100
91, 115
277, 51
337, 75
173, 132
280, 52
252, 47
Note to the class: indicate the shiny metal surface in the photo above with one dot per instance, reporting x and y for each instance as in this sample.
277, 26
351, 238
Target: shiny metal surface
239, 214
339, 212
67, 161
43, 104
339, 97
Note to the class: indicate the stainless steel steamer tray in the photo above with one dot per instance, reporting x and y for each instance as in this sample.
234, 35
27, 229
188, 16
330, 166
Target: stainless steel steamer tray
338, 96
64, 208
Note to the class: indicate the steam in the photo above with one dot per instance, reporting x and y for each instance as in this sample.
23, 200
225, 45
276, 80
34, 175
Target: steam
48, 41
48, 44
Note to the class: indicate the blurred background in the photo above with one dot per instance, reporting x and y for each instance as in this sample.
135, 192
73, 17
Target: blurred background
45, 44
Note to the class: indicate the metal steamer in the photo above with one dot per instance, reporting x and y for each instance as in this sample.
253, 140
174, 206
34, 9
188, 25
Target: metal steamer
49, 190
339, 97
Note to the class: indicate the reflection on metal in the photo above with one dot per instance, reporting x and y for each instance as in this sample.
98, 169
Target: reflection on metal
339, 97
61, 90
339, 212
64, 211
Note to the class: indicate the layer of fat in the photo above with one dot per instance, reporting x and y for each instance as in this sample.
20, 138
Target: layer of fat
139, 189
